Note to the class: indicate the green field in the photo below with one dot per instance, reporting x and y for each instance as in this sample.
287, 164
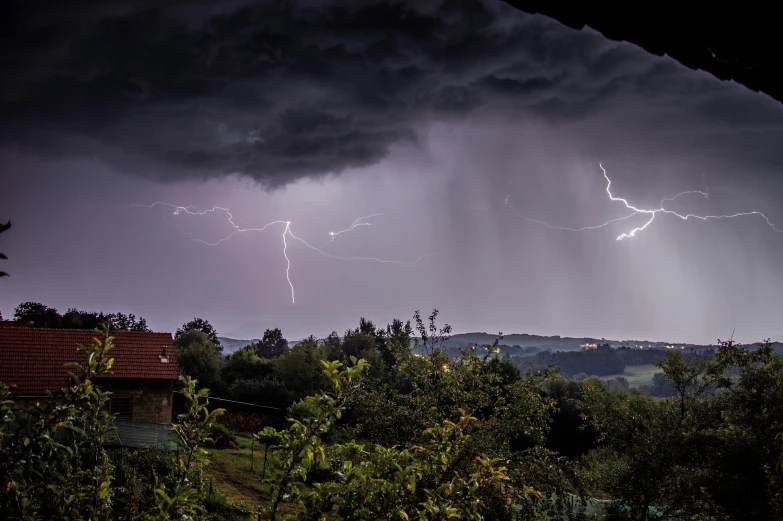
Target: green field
637, 375
230, 473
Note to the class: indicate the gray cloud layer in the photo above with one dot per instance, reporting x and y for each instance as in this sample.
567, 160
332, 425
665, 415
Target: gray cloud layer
277, 91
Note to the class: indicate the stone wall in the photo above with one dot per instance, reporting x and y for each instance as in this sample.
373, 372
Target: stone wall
150, 398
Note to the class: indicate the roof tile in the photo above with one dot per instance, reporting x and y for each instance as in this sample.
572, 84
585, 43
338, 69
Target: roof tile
34, 359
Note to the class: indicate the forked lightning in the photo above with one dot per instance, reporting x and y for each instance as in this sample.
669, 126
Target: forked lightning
190, 210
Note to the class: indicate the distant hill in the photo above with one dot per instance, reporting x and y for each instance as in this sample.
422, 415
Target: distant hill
518, 344
233, 344
551, 343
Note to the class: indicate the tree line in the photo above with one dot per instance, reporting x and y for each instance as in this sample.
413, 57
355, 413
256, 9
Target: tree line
377, 430
40, 315
711, 449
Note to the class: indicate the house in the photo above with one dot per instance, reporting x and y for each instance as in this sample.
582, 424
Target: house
141, 380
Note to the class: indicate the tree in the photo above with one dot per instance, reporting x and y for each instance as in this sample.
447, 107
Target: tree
430, 337
690, 375
199, 324
38, 314
177, 497
44, 316
358, 343
440, 478
272, 344
300, 368
617, 384
75, 319
199, 358
121, 321
397, 342
645, 472
4, 227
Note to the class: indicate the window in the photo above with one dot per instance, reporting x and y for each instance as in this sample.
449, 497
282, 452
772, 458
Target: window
121, 407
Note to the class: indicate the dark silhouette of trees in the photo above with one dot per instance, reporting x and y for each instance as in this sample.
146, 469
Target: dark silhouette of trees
199, 358
37, 314
40, 315
602, 361
75, 319
199, 324
272, 344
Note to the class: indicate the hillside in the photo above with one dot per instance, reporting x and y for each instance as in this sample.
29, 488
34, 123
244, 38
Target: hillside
233, 344
516, 344
549, 343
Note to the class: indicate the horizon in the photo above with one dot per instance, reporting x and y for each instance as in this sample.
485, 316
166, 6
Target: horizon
456, 331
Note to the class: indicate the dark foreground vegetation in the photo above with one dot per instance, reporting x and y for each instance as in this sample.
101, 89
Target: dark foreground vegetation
375, 430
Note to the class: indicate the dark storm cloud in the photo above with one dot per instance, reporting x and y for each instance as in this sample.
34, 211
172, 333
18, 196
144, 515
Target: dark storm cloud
280, 90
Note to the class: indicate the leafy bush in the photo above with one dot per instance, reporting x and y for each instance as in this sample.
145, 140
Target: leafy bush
138, 473
221, 436
219, 508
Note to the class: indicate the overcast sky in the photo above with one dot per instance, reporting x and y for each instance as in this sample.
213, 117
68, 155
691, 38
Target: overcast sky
433, 113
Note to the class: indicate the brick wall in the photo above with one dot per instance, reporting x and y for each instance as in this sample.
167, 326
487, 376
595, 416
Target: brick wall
150, 398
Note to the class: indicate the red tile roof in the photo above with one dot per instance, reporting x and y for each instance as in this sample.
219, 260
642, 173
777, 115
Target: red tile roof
34, 359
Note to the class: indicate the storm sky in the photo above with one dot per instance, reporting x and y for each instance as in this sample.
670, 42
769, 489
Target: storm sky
433, 113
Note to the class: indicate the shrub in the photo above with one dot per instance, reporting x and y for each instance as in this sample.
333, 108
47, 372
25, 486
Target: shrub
221, 437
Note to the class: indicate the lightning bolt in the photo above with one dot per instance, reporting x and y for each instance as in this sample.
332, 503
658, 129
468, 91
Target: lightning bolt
190, 210
650, 212
565, 228
684, 217
357, 222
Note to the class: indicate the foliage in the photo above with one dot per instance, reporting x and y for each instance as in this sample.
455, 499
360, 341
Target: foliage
439, 479
177, 497
44, 475
302, 442
712, 449
244, 422
199, 324
221, 436
430, 337
377, 430
38, 314
44, 316
301, 369
129, 322
271, 345
137, 474
219, 508
54, 465
199, 358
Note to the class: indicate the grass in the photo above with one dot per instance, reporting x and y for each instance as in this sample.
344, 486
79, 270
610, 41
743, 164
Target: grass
231, 474
637, 375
